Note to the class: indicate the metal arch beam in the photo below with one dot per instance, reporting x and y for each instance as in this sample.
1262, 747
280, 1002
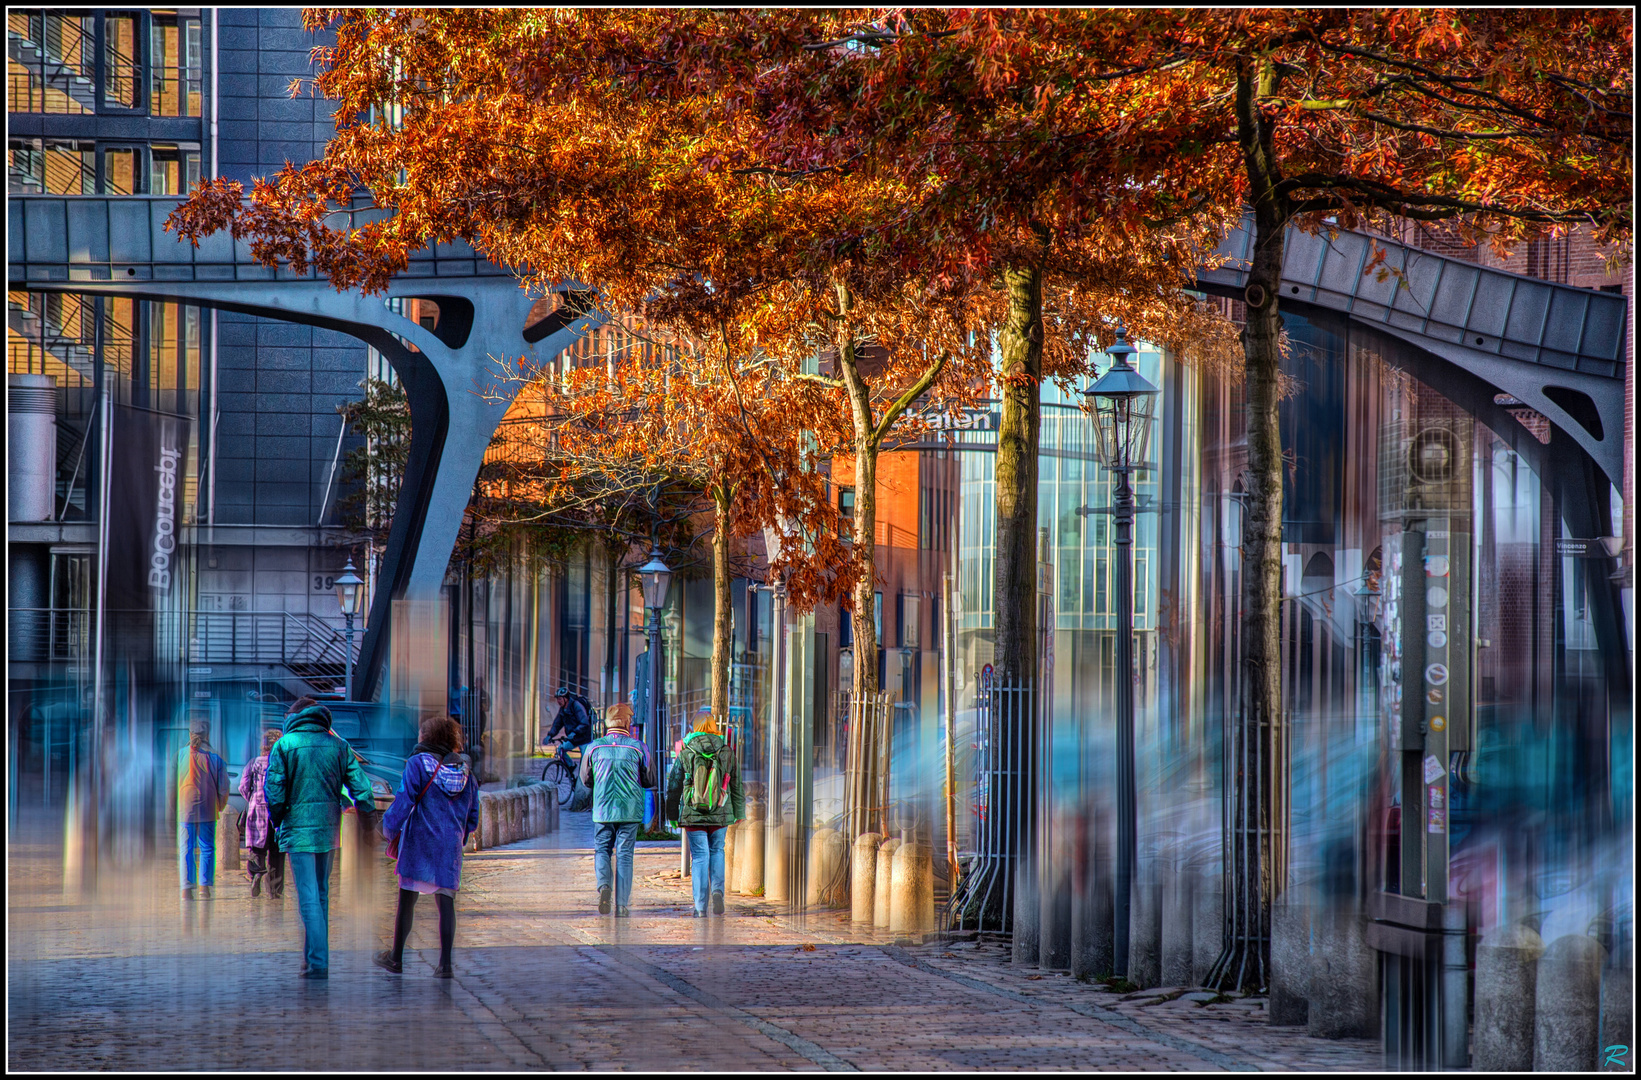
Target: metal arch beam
454, 406
1518, 334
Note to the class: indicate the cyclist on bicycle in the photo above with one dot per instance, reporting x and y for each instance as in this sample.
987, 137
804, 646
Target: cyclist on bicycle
574, 723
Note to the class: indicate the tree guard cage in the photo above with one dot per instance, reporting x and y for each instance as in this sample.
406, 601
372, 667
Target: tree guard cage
1254, 829
1005, 810
866, 773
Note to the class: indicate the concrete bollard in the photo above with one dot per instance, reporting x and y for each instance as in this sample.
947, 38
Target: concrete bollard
775, 862
1207, 924
1506, 980
1567, 1005
228, 841
729, 853
1177, 958
1344, 995
882, 887
911, 885
1617, 991
827, 870
1145, 939
1289, 1004
750, 839
863, 877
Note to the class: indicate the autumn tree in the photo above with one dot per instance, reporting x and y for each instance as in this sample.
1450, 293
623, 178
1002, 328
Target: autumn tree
505, 136
1507, 123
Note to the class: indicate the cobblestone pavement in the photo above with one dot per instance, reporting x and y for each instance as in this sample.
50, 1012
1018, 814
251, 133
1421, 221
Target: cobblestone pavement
135, 978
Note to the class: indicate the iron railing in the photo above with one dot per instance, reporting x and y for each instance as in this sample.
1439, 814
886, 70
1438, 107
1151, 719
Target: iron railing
1005, 808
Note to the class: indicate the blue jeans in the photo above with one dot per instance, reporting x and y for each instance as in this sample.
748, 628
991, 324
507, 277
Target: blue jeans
199, 853
706, 864
310, 870
622, 837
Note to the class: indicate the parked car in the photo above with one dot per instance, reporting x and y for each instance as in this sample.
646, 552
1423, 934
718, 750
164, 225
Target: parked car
381, 737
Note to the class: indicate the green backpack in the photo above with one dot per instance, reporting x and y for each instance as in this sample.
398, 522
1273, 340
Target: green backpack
708, 785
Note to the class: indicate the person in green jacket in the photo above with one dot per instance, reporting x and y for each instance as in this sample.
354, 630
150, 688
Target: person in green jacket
310, 769
704, 796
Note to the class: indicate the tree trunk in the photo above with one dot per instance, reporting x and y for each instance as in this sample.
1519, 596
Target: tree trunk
1015, 598
866, 450
1014, 717
1257, 849
722, 616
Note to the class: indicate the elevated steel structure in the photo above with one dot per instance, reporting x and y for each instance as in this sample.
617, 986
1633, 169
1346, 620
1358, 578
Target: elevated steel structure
1470, 331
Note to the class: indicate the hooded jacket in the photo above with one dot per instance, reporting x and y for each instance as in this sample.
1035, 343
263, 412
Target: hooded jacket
433, 832
617, 768
311, 771
682, 774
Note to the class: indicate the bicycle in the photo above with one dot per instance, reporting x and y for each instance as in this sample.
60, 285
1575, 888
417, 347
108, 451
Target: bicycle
561, 770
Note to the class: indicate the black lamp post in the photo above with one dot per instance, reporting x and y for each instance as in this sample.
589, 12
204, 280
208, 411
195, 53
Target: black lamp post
655, 581
349, 592
1122, 404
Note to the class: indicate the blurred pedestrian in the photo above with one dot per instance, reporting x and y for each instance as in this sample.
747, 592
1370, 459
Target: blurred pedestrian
202, 794
266, 859
310, 770
435, 811
617, 769
704, 796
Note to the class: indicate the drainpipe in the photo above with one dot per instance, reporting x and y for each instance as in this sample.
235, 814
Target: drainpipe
211, 463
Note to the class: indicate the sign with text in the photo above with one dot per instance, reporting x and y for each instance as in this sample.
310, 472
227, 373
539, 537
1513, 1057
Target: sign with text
147, 463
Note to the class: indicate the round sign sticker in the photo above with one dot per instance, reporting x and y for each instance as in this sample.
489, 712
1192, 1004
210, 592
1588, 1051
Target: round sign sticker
1436, 639
1436, 565
1436, 596
1436, 674
1434, 696
1438, 723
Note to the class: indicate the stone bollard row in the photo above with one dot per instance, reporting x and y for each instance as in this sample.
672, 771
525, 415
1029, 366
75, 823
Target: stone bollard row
515, 814
1537, 1008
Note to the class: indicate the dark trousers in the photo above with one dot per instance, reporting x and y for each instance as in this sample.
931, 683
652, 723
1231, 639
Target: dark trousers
407, 911
268, 861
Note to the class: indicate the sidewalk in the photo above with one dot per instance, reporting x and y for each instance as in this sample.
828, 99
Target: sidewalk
142, 980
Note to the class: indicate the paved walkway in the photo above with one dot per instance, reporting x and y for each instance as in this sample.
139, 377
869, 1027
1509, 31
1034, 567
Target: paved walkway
138, 979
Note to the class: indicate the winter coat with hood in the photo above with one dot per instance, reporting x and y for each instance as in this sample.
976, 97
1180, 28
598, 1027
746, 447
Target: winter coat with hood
699, 745
251, 782
433, 832
311, 771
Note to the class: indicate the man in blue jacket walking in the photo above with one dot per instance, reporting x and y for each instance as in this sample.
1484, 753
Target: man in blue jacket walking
202, 793
617, 769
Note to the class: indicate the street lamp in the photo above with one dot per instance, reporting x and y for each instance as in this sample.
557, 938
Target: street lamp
1122, 405
349, 591
655, 581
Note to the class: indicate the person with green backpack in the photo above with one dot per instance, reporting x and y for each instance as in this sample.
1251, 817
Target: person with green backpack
704, 796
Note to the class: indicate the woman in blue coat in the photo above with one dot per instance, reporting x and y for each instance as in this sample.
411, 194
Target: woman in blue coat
435, 811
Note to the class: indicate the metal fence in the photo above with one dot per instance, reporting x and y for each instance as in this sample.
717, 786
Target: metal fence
866, 763
1005, 809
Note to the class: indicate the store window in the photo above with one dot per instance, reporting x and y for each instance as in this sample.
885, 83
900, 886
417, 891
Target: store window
50, 63
175, 67
122, 63
174, 169
50, 167
120, 171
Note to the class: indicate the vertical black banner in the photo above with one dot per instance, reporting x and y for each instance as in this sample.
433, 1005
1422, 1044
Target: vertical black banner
147, 461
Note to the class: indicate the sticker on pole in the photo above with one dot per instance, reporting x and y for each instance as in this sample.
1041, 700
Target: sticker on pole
985, 679
1438, 820
1432, 769
1436, 674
